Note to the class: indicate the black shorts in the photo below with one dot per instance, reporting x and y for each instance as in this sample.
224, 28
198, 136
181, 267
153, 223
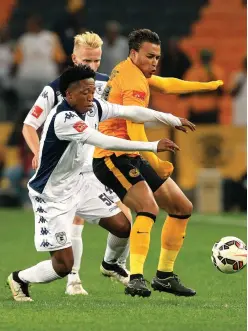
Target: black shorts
122, 172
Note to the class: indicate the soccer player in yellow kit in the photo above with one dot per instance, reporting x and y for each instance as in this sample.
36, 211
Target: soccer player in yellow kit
143, 186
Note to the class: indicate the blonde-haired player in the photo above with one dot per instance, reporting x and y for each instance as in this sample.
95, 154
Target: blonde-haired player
87, 50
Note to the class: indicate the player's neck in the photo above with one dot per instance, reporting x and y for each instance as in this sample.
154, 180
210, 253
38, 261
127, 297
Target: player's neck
130, 59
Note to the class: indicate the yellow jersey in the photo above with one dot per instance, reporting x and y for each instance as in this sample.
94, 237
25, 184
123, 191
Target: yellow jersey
127, 86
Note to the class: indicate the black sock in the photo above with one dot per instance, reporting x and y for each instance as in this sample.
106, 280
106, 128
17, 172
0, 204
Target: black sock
163, 274
135, 276
16, 277
108, 266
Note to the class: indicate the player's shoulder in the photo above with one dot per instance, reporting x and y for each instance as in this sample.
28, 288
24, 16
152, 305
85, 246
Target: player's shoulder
101, 77
64, 113
129, 75
55, 84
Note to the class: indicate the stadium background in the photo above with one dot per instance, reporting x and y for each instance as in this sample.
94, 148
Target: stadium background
211, 166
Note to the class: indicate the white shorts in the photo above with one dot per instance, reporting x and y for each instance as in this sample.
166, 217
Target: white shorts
53, 220
96, 200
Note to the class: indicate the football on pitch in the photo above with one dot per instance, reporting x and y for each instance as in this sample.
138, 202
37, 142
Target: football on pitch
229, 255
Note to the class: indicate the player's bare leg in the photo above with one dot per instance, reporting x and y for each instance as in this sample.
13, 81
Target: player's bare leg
74, 284
118, 239
170, 198
59, 266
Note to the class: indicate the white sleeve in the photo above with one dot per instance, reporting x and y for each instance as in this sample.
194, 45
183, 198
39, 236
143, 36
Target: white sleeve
137, 114
69, 126
41, 108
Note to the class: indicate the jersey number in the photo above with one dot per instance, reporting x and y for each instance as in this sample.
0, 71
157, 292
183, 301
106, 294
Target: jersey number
105, 199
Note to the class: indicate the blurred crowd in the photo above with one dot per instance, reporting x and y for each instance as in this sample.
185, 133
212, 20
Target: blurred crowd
39, 55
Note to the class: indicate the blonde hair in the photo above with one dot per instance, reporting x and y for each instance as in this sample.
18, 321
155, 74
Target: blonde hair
87, 39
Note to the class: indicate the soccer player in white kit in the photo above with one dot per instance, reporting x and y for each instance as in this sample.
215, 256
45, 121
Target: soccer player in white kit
59, 190
87, 50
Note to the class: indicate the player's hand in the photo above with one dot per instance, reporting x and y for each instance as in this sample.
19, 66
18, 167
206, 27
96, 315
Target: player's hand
165, 169
185, 124
167, 145
35, 162
215, 84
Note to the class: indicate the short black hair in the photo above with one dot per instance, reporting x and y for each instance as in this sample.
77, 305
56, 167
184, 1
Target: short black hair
137, 37
74, 74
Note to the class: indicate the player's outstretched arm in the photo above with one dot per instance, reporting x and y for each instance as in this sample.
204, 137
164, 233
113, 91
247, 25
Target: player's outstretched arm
117, 144
74, 129
179, 86
140, 114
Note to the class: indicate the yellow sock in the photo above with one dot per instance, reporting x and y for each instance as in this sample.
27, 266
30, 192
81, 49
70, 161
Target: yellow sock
172, 237
140, 241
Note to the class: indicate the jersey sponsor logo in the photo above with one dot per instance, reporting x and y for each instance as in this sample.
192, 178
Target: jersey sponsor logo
139, 95
134, 172
36, 111
80, 126
61, 238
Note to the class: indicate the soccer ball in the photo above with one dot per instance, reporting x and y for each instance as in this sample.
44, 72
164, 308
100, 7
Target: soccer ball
229, 255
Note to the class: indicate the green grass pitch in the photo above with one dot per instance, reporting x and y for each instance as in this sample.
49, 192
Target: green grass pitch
220, 303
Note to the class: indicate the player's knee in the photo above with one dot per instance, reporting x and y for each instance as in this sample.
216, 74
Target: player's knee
150, 207
189, 208
66, 267
123, 230
181, 207
63, 266
186, 208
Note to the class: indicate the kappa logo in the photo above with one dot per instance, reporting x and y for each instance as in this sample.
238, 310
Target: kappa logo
134, 172
80, 126
45, 95
69, 115
61, 238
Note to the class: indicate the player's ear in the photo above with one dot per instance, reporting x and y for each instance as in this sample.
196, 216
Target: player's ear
68, 95
132, 53
74, 59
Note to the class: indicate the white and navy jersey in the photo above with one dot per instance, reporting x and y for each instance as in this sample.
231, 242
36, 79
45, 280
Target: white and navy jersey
51, 95
63, 150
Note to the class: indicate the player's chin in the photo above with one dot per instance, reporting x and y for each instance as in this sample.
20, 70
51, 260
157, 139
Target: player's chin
88, 107
150, 73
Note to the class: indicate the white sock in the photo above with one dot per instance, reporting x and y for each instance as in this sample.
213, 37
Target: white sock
122, 261
77, 246
42, 272
115, 248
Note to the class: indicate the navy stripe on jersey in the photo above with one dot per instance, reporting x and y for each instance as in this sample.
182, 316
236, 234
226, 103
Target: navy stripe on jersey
99, 108
55, 86
52, 151
101, 77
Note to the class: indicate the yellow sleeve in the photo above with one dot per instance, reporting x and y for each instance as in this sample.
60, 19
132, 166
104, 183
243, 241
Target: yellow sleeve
174, 85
